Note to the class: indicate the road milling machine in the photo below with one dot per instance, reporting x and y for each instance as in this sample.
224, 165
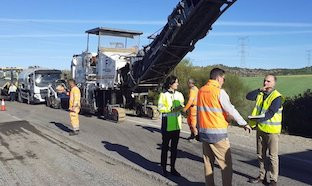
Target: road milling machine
117, 78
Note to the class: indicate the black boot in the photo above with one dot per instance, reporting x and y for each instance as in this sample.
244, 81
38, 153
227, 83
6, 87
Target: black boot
174, 172
192, 136
165, 172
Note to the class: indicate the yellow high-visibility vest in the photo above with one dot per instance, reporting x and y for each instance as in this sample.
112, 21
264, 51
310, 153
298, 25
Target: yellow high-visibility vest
273, 125
168, 101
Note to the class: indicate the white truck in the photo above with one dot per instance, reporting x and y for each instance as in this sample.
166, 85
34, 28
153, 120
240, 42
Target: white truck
8, 75
33, 84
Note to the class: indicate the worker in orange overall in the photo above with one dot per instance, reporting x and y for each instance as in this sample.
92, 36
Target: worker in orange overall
191, 107
74, 106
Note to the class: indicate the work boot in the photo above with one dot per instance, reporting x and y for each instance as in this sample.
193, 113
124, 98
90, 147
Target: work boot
192, 136
174, 172
273, 183
164, 172
73, 133
256, 180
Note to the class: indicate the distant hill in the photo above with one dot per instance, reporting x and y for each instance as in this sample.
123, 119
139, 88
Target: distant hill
247, 72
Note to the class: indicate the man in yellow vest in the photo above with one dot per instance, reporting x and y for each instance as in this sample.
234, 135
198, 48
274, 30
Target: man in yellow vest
74, 106
266, 117
191, 107
213, 111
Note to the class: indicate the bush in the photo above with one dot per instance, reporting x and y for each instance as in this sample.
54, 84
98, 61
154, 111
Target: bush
297, 115
237, 91
234, 85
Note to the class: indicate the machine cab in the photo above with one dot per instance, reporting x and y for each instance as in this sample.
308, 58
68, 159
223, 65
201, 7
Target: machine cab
115, 48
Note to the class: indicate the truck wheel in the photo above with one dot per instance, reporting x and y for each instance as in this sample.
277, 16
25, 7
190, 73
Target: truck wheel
152, 112
138, 111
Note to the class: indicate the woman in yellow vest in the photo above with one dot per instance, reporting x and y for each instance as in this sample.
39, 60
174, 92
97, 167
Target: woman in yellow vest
170, 104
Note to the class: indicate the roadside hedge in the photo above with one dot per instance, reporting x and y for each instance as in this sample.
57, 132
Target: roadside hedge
297, 115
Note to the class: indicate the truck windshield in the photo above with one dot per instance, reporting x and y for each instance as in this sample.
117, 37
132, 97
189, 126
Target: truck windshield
7, 75
44, 79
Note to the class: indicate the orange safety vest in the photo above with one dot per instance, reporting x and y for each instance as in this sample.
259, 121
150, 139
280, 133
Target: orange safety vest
211, 117
192, 102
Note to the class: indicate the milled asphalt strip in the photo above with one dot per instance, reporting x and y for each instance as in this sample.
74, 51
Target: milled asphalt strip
243, 146
133, 167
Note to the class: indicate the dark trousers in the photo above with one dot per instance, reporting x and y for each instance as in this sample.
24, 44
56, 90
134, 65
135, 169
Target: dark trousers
12, 96
172, 136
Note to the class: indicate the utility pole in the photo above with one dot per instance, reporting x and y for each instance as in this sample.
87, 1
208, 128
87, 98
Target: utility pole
309, 59
242, 52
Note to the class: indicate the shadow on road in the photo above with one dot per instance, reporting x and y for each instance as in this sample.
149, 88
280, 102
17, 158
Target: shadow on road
61, 126
154, 130
184, 154
144, 163
295, 166
150, 129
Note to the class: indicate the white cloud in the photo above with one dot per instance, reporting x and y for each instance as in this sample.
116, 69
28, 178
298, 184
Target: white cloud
39, 35
121, 22
263, 24
159, 22
262, 33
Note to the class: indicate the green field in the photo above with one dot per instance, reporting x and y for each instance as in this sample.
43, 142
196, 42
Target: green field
287, 85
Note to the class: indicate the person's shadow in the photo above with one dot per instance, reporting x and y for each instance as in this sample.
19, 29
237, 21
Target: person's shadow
144, 163
61, 126
184, 154
150, 129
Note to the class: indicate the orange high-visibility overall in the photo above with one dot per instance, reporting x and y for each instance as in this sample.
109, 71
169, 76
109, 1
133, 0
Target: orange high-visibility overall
192, 107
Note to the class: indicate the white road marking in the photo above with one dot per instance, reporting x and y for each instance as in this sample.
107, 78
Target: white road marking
15, 117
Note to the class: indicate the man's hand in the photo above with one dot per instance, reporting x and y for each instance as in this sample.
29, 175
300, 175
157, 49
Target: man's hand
72, 109
247, 128
177, 109
264, 88
229, 118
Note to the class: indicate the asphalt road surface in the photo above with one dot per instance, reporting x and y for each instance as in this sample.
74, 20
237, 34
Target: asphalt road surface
37, 150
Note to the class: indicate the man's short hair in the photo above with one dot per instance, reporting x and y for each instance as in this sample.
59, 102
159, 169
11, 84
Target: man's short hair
216, 72
71, 80
275, 78
191, 80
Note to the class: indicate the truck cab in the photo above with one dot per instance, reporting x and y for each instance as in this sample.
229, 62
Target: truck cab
33, 84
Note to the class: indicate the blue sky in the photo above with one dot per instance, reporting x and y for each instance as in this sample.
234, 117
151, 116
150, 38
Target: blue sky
276, 34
